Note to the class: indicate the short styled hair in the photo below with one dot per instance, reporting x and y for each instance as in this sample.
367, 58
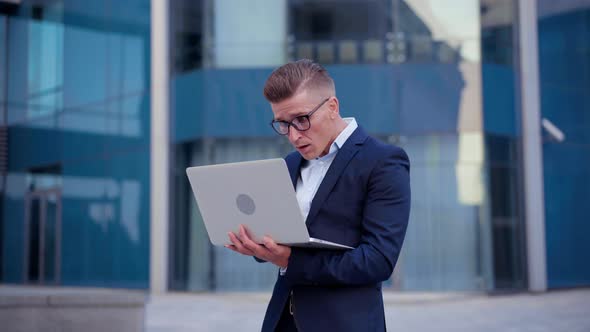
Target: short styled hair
293, 77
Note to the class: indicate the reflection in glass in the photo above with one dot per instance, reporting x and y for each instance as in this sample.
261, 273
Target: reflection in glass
51, 238
506, 213
33, 235
45, 62
77, 95
503, 160
332, 32
497, 31
188, 36
42, 245
410, 31
442, 250
255, 30
3, 71
564, 70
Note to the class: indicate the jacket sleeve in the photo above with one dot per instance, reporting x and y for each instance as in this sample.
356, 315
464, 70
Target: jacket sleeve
259, 260
384, 224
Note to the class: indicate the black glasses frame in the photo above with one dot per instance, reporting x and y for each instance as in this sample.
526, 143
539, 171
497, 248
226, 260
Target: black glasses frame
302, 119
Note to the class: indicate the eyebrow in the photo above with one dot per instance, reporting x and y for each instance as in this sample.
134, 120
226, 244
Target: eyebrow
296, 116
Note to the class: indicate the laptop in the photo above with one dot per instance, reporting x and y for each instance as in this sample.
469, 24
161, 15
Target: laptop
258, 194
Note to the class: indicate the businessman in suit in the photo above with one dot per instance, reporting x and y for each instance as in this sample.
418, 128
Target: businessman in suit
352, 189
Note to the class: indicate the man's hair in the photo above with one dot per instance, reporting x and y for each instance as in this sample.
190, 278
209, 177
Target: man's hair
293, 77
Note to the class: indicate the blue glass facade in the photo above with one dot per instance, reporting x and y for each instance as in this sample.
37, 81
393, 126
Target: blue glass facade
564, 53
502, 112
78, 131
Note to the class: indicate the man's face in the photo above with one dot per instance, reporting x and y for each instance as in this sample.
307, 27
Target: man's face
314, 142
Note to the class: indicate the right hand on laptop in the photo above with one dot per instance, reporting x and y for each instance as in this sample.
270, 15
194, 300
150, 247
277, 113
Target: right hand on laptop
269, 251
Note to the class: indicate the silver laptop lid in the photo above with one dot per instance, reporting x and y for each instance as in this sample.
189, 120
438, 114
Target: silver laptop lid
258, 194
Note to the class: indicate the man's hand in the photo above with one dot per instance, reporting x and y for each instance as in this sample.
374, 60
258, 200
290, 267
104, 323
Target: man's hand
270, 251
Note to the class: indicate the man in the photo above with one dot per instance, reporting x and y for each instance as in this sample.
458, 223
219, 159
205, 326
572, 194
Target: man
352, 190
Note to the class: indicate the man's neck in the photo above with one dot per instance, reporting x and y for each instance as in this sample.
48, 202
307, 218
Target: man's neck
338, 128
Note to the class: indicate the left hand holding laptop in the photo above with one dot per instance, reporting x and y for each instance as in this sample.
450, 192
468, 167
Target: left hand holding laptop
269, 251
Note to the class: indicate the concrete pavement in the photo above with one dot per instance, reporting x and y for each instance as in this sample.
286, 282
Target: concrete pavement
567, 310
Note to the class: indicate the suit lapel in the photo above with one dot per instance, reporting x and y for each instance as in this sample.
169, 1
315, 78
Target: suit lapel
293, 165
343, 157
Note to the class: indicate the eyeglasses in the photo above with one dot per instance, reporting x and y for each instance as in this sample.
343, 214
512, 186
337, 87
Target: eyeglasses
301, 123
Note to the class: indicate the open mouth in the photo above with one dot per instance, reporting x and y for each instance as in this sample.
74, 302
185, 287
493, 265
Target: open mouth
303, 147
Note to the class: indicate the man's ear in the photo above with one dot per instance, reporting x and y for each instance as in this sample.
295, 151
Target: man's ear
334, 106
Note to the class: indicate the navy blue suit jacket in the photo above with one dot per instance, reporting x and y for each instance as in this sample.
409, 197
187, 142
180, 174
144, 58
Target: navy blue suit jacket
363, 202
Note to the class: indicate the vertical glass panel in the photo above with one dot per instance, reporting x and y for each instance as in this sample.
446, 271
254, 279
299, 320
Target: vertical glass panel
443, 247
78, 77
202, 258
128, 194
51, 237
201, 268
249, 33
135, 62
33, 237
14, 241
17, 70
564, 68
180, 223
506, 214
499, 71
105, 233
45, 62
454, 24
188, 37
84, 84
3, 62
497, 24
43, 209
127, 63
503, 161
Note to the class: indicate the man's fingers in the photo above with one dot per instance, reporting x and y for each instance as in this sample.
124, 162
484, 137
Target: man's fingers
257, 249
238, 245
269, 251
247, 231
232, 247
271, 245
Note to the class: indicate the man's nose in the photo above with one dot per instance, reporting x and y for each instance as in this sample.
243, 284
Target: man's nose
294, 134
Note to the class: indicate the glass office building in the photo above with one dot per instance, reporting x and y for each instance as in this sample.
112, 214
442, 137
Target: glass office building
75, 106
443, 80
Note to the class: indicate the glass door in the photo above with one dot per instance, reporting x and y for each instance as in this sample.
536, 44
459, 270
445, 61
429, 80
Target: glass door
42, 237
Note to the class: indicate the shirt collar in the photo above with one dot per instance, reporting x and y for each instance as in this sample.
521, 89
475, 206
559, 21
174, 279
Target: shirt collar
345, 134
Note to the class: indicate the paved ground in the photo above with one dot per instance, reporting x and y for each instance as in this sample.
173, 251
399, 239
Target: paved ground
559, 311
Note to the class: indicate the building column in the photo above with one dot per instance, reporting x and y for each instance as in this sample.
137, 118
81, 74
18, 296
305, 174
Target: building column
159, 146
532, 146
